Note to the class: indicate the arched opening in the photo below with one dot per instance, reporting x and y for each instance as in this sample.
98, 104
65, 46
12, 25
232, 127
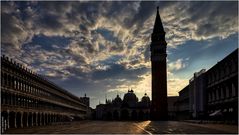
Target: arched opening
116, 115
124, 114
34, 119
46, 122
109, 116
42, 119
12, 120
134, 115
25, 119
146, 116
141, 115
30, 119
19, 120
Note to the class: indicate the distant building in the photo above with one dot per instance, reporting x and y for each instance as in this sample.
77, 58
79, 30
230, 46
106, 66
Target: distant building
86, 100
172, 110
127, 109
222, 89
182, 104
197, 95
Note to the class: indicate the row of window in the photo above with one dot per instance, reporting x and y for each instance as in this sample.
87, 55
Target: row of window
221, 72
28, 102
222, 93
18, 84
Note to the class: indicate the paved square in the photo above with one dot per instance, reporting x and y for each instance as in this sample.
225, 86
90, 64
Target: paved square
129, 127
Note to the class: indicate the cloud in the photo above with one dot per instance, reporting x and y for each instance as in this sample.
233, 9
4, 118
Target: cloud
185, 21
177, 65
107, 43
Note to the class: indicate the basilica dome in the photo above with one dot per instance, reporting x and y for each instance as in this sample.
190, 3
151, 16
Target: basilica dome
145, 99
130, 97
117, 100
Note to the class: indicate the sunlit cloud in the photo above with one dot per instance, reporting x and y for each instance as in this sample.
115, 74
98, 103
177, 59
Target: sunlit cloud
105, 46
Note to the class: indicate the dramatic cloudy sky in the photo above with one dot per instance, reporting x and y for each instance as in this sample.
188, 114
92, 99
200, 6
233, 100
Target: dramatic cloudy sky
102, 48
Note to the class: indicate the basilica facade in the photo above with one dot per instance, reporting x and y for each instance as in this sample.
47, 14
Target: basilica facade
128, 108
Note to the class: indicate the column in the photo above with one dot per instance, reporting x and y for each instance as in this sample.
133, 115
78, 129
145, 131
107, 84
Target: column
8, 125
50, 118
32, 124
15, 120
2, 124
36, 119
21, 119
46, 118
27, 119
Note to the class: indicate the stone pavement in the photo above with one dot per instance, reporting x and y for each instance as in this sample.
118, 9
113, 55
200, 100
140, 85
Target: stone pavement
129, 127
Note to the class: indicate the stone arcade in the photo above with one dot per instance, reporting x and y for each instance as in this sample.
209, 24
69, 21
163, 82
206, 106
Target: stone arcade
27, 99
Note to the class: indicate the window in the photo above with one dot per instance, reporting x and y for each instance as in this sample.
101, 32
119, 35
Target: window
209, 97
227, 70
233, 66
217, 94
222, 72
227, 92
213, 96
217, 74
15, 84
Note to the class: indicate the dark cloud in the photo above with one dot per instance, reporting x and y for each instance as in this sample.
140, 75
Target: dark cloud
117, 71
14, 34
97, 46
211, 15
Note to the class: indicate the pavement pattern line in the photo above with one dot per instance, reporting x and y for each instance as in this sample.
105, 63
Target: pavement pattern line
143, 129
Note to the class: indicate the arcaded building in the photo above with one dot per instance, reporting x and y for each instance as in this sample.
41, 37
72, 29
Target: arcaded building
28, 99
222, 89
212, 94
128, 108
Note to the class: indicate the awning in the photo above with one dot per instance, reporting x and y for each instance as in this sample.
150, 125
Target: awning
216, 113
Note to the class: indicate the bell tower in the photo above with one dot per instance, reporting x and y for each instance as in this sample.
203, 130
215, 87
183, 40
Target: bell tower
159, 105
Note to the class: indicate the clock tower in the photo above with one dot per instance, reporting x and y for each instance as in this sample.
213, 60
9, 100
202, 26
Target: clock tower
159, 105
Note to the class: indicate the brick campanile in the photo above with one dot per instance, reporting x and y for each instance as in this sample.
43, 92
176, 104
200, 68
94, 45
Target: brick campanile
159, 105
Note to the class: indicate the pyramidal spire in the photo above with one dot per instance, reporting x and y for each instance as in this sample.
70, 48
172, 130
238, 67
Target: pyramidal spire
158, 26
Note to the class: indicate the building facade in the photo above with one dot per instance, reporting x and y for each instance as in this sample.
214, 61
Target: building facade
182, 104
197, 93
159, 71
222, 89
172, 110
28, 99
212, 94
127, 109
